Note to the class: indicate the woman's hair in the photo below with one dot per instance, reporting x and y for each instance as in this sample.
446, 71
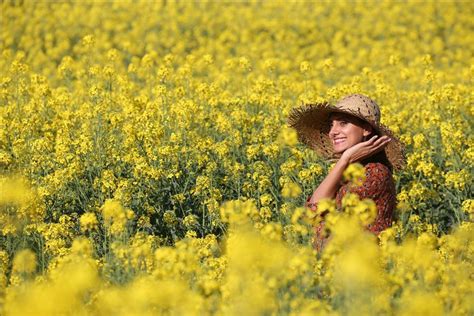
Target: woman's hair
380, 157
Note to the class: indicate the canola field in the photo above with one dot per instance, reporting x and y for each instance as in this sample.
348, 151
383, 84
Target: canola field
147, 168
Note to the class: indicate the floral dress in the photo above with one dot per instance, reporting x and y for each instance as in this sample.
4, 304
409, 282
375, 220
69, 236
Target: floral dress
378, 186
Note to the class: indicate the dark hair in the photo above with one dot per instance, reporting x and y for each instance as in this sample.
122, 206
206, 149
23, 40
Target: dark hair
380, 157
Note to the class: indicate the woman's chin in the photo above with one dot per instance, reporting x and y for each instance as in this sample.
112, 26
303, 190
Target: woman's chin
338, 149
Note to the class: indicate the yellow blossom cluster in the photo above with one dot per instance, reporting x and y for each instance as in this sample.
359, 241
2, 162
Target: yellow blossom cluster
254, 271
115, 216
355, 173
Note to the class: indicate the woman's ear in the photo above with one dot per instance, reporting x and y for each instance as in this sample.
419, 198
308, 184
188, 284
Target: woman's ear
368, 130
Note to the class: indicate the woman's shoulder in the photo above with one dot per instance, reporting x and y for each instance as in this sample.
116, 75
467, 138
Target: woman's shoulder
377, 169
378, 180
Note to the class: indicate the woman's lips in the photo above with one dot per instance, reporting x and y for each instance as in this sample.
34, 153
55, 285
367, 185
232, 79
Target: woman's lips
339, 141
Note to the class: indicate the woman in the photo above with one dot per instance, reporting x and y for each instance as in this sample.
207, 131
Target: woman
350, 131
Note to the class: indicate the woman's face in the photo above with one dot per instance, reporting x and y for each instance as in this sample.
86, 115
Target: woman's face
346, 131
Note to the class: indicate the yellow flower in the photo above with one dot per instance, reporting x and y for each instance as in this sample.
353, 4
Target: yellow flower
272, 230
190, 234
458, 180
468, 207
427, 239
88, 40
14, 190
290, 190
24, 261
265, 213
304, 67
420, 304
366, 210
190, 221
326, 205
208, 59
355, 173
265, 199
82, 247
115, 216
88, 222
297, 215
169, 217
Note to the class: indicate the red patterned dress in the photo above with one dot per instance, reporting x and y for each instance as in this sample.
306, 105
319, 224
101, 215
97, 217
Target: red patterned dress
378, 186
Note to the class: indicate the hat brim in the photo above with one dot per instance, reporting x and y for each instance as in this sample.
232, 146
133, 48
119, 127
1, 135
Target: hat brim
311, 122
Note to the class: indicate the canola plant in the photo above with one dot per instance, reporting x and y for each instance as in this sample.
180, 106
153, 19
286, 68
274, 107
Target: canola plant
147, 168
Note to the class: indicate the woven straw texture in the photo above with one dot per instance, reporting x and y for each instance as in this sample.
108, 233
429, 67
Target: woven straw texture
311, 123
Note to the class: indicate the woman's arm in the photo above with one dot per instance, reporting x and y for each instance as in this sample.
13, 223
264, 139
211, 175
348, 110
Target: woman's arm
329, 186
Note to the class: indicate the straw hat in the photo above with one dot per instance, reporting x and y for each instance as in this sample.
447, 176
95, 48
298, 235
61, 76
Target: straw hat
311, 122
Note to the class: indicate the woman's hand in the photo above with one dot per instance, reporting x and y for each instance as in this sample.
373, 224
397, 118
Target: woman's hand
365, 149
331, 183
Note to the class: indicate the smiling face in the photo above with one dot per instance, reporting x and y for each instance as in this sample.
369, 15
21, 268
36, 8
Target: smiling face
346, 131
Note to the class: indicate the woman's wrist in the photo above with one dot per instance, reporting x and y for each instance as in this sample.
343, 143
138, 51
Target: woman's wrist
344, 161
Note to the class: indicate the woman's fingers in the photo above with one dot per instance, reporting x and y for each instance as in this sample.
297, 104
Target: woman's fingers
380, 144
373, 145
367, 148
381, 141
372, 139
376, 140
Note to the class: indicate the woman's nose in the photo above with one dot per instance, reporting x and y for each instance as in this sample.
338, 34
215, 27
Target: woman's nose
333, 130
